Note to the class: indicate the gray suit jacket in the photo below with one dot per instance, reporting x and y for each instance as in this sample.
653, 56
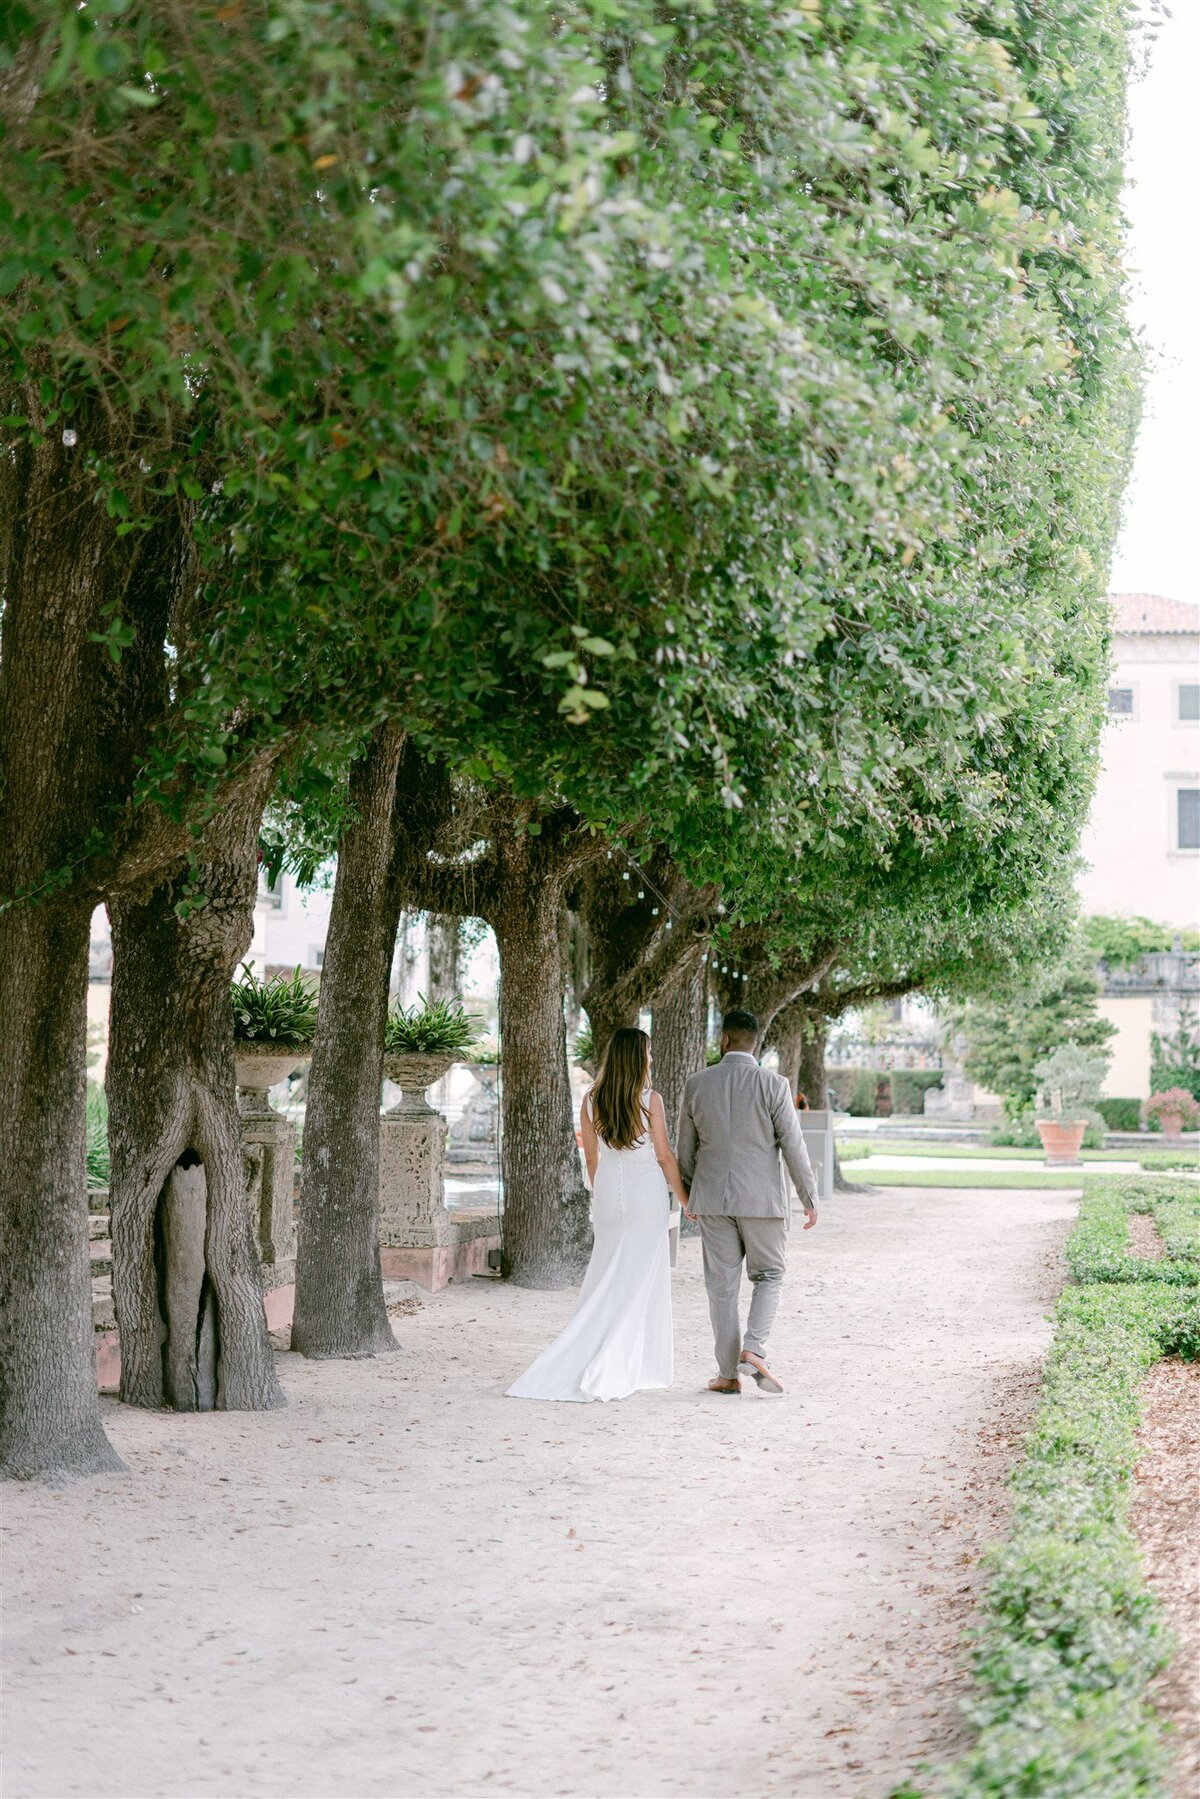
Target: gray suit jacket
736, 1122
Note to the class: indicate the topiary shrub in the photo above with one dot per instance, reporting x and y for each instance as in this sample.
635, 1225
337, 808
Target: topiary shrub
853, 1090
1121, 1114
909, 1087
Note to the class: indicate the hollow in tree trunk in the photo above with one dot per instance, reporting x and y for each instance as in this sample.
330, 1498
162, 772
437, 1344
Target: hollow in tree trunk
187, 1287
679, 1035
547, 1234
340, 1309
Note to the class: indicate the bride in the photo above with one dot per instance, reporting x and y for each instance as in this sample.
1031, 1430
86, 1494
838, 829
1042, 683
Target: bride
619, 1339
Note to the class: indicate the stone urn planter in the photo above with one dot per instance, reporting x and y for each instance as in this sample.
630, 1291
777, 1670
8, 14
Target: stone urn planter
259, 1067
1172, 1125
1062, 1139
413, 1074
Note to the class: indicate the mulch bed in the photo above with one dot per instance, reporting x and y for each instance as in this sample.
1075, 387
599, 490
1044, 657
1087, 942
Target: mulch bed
1144, 1240
1165, 1518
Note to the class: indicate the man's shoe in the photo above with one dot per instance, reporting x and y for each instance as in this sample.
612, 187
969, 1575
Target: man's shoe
719, 1385
758, 1370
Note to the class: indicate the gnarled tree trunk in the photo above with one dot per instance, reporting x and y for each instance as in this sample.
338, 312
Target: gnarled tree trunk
340, 1309
187, 1287
679, 1037
547, 1233
49, 1411
811, 1070
67, 720
789, 1047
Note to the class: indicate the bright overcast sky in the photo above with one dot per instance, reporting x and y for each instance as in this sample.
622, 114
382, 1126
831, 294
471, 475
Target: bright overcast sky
1158, 548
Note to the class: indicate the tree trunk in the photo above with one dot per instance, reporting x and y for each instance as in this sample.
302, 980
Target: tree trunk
679, 1036
604, 1020
340, 1309
442, 939
49, 1409
547, 1233
811, 1073
60, 564
789, 1047
187, 1288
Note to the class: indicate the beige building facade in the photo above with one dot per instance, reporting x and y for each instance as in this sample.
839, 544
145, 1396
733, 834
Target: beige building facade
1142, 843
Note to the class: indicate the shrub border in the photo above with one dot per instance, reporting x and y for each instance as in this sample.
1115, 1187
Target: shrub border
1070, 1635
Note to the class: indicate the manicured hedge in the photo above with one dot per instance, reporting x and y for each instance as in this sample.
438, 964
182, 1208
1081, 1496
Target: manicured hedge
1097, 1249
1121, 1114
1070, 1636
856, 1088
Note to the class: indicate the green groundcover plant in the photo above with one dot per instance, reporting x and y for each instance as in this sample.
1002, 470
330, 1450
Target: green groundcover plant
1070, 1636
437, 1028
97, 1136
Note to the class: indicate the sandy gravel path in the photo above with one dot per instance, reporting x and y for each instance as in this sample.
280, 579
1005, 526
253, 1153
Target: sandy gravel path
406, 1585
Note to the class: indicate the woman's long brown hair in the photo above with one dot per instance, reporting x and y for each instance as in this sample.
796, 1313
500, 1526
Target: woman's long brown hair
618, 1106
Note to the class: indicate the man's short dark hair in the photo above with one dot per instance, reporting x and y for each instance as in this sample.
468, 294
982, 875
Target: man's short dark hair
740, 1024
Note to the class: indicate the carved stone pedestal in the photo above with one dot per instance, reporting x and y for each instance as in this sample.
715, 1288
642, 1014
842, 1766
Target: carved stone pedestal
269, 1149
474, 1140
419, 1239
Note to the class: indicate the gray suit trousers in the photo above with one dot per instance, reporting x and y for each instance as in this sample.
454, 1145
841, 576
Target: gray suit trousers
728, 1242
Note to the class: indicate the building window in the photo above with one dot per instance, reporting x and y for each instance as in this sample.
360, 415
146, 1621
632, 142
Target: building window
318, 958
1187, 802
1120, 701
1189, 702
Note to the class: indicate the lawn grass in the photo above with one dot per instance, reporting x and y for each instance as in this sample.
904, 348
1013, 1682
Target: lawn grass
967, 1178
1071, 1637
858, 1147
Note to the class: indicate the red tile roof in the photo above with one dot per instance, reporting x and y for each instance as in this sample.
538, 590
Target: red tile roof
1149, 615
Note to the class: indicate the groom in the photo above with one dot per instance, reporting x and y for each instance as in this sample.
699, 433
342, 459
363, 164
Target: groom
735, 1123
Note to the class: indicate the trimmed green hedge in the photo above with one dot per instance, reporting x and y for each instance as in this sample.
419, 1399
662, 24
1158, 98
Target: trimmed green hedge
1097, 1249
1070, 1636
856, 1088
1121, 1114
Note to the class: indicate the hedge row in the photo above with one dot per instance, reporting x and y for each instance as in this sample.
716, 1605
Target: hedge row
1097, 1249
856, 1088
1071, 1637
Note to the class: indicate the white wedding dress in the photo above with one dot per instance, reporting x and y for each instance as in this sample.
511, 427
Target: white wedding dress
619, 1338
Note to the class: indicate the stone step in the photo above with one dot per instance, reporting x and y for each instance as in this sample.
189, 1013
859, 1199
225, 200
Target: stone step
101, 1255
98, 1199
103, 1315
99, 1225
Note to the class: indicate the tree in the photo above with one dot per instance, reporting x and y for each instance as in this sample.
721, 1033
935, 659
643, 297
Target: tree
376, 326
1005, 1041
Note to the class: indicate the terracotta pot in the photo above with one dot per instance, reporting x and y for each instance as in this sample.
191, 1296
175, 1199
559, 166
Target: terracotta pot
1061, 1140
258, 1067
413, 1073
